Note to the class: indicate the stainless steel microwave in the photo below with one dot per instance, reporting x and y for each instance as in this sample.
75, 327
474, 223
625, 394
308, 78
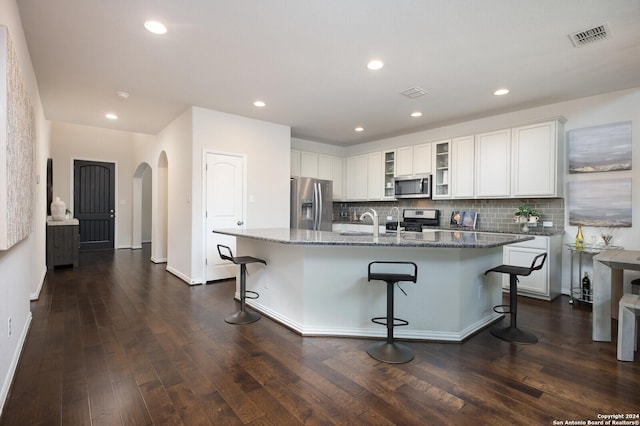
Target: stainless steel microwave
416, 186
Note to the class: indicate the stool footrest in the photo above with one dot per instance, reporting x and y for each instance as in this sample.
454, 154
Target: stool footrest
250, 294
397, 322
502, 309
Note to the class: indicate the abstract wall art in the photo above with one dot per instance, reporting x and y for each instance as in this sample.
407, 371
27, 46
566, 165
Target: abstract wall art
17, 139
602, 203
604, 148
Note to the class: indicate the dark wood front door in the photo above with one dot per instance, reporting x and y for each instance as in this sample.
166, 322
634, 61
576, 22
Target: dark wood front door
94, 203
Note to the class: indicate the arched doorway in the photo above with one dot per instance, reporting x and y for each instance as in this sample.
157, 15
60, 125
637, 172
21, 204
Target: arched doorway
160, 222
142, 195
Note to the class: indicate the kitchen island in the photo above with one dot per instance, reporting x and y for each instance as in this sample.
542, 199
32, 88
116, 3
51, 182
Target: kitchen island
315, 282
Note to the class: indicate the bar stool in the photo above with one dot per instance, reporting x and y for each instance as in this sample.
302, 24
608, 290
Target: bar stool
512, 333
242, 316
390, 351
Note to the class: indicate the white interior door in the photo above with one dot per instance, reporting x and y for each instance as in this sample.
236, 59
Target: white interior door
225, 209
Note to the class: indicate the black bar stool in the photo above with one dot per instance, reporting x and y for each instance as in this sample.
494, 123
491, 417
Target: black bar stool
242, 316
390, 351
512, 333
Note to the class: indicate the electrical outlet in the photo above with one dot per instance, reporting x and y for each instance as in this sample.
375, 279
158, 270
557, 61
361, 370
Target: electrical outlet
9, 328
547, 224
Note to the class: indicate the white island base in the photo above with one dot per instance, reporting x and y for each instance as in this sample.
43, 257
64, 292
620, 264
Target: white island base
322, 290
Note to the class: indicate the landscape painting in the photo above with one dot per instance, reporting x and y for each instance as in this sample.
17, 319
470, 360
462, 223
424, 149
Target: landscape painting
603, 148
602, 203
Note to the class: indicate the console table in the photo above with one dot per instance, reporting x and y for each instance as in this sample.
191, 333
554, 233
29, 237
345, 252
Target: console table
590, 250
63, 242
608, 267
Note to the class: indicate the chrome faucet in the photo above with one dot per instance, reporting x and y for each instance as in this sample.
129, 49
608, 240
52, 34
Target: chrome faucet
398, 226
374, 218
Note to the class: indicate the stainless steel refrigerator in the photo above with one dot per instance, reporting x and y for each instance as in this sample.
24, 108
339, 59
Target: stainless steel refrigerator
311, 203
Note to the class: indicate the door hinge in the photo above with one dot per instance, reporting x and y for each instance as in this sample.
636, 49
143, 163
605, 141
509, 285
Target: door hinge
206, 261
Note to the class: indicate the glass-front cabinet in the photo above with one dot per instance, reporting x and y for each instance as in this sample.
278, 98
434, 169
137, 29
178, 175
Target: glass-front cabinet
389, 172
442, 161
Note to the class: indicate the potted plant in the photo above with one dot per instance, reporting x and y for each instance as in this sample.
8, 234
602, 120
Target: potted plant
526, 214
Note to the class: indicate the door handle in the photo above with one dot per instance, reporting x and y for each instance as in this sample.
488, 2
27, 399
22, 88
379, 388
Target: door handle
240, 223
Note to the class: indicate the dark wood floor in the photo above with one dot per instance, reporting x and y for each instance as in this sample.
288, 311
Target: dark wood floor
120, 341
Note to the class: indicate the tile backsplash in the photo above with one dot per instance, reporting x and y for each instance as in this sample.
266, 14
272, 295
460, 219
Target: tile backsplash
493, 215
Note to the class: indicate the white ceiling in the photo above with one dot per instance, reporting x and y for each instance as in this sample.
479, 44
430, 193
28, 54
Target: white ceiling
307, 60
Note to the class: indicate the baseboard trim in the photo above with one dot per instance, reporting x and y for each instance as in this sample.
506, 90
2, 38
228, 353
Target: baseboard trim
6, 386
158, 260
182, 276
36, 294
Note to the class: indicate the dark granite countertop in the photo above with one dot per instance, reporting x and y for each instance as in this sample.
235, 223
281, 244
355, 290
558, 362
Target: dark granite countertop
432, 239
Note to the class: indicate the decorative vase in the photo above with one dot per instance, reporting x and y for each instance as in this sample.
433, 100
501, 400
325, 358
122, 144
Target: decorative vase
58, 209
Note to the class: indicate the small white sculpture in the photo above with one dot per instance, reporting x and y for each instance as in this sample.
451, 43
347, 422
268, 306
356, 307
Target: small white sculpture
58, 209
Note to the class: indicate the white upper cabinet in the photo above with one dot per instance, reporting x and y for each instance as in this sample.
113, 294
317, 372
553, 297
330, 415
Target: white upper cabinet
404, 161
389, 166
462, 167
493, 164
357, 178
520, 162
422, 159
308, 164
442, 163
295, 163
375, 176
535, 159
331, 168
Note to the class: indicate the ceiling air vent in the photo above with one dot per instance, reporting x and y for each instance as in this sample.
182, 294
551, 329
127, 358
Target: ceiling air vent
590, 35
413, 92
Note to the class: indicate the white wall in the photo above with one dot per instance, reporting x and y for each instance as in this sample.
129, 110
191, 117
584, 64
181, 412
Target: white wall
71, 142
23, 266
175, 141
267, 147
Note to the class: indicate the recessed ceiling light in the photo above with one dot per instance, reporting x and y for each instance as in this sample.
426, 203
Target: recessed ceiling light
122, 94
259, 104
359, 129
111, 116
501, 92
376, 64
155, 27
416, 114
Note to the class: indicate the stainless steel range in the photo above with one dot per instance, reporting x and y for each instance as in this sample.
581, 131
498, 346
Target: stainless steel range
415, 220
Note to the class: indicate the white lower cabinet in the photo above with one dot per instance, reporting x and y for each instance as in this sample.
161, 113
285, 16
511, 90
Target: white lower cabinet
544, 283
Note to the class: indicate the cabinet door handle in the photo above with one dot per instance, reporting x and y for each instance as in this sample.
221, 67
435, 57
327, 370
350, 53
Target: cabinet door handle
240, 223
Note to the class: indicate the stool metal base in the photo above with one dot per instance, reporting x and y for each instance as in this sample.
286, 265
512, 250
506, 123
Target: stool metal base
514, 335
242, 317
392, 353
